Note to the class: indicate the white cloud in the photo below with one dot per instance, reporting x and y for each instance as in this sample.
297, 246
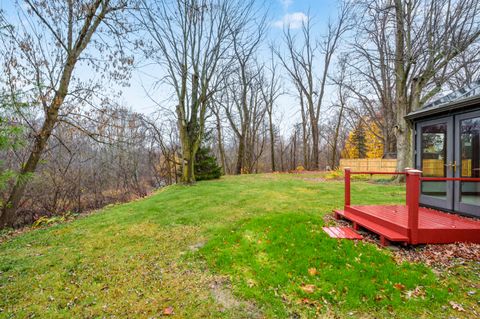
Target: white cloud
291, 20
286, 4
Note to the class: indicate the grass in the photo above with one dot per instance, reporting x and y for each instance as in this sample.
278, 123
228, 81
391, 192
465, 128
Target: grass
261, 232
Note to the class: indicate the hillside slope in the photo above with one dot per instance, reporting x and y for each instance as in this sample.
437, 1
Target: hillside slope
246, 246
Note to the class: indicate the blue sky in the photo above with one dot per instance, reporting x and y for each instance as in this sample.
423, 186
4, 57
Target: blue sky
282, 12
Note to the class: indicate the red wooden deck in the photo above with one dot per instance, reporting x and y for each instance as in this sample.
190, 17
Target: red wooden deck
410, 223
391, 224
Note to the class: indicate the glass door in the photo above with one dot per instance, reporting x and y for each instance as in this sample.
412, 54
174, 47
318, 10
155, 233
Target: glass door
467, 158
434, 157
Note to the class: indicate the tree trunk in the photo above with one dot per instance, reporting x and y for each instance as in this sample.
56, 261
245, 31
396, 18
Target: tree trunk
221, 150
306, 150
272, 141
188, 171
295, 150
189, 149
403, 129
315, 140
241, 155
404, 147
333, 163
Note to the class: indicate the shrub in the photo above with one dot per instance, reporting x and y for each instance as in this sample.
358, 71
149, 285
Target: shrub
336, 174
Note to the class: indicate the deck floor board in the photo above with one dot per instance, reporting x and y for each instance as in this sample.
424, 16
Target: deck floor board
434, 226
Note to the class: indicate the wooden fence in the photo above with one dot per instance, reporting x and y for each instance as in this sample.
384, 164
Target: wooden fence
369, 164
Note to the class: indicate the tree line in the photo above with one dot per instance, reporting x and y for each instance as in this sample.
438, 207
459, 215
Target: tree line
68, 144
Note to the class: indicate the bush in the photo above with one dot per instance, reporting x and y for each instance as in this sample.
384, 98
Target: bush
336, 174
206, 166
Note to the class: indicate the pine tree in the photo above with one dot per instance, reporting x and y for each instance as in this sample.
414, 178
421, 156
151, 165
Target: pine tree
360, 141
206, 166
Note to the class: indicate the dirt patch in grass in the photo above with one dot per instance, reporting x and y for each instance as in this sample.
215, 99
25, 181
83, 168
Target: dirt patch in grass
223, 296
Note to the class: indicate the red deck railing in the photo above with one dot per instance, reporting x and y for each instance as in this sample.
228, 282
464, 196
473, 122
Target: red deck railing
413, 180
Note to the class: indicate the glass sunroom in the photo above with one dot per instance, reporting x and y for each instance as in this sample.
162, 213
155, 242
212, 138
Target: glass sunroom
447, 144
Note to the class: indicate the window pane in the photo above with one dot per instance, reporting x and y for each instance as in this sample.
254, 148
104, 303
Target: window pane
433, 155
470, 166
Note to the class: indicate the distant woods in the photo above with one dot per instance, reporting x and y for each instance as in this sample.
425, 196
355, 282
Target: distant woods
227, 83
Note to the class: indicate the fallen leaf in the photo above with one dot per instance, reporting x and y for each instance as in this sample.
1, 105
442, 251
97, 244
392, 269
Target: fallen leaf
168, 311
399, 286
312, 271
419, 291
251, 283
309, 289
456, 306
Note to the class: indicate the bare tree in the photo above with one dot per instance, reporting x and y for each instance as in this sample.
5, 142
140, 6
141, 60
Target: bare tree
300, 64
270, 92
245, 110
341, 105
217, 111
371, 78
46, 46
429, 37
192, 38
245, 87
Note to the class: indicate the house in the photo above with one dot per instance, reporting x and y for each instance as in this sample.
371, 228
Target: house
444, 184
447, 144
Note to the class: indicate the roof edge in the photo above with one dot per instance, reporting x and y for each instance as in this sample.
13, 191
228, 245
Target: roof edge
466, 102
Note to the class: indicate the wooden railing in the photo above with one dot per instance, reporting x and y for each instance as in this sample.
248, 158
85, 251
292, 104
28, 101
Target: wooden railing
412, 187
348, 173
413, 180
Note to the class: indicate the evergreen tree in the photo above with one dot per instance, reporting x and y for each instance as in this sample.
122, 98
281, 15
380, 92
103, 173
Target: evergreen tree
360, 141
206, 166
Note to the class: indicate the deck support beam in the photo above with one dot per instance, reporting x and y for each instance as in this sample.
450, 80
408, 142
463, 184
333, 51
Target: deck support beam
356, 226
384, 241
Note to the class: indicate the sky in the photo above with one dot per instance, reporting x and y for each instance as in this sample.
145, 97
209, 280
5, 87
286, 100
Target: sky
282, 13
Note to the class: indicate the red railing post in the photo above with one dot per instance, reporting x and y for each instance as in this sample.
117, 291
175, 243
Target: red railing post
347, 186
413, 194
406, 183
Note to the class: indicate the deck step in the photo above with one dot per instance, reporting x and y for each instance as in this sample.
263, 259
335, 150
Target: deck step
372, 226
342, 232
379, 218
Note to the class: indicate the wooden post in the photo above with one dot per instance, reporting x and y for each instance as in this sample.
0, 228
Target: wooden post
347, 187
406, 183
413, 191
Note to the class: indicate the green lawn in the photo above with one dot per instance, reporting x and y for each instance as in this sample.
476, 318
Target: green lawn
240, 247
